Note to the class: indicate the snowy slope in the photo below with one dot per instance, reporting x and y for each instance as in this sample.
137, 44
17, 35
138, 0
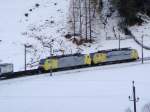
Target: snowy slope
91, 90
10, 29
16, 29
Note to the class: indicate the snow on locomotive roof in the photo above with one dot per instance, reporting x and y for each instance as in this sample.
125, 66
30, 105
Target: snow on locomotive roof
60, 56
79, 54
127, 48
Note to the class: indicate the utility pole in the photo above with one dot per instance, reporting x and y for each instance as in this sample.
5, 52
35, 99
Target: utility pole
25, 55
51, 49
119, 42
134, 99
50, 60
80, 19
90, 21
86, 19
142, 51
74, 20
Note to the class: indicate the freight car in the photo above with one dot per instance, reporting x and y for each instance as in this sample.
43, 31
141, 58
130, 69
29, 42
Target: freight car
80, 60
6, 68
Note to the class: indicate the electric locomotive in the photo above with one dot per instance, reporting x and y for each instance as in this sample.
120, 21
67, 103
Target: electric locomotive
80, 60
65, 62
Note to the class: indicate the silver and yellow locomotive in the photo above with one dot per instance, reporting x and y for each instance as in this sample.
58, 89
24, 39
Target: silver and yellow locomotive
65, 61
79, 60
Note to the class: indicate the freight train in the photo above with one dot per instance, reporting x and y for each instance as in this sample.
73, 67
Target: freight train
80, 60
73, 61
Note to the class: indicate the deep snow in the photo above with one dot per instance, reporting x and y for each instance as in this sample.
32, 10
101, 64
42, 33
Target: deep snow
94, 89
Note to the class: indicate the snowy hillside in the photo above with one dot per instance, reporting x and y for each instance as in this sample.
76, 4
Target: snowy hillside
46, 21
89, 90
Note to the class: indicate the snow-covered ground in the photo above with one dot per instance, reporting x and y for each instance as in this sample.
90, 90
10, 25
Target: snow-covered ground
89, 90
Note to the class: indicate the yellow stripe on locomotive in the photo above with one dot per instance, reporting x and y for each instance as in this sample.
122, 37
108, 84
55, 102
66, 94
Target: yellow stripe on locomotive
134, 54
87, 59
50, 64
99, 58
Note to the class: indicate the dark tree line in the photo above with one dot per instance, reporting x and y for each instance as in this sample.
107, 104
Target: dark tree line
129, 9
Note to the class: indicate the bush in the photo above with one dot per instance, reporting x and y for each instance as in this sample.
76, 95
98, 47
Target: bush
26, 14
129, 9
37, 5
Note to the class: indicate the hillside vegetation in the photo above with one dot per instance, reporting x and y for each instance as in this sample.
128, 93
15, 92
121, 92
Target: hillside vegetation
130, 8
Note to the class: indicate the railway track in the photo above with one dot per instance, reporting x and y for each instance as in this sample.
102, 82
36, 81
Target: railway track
26, 73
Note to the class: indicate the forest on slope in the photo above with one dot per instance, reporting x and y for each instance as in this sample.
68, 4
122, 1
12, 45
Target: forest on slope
129, 9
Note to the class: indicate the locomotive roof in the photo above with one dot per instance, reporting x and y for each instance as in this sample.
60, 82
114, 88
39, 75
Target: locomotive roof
109, 50
127, 48
79, 54
60, 56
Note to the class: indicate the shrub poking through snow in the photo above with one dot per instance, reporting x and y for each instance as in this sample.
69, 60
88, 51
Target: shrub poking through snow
30, 10
26, 14
37, 5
